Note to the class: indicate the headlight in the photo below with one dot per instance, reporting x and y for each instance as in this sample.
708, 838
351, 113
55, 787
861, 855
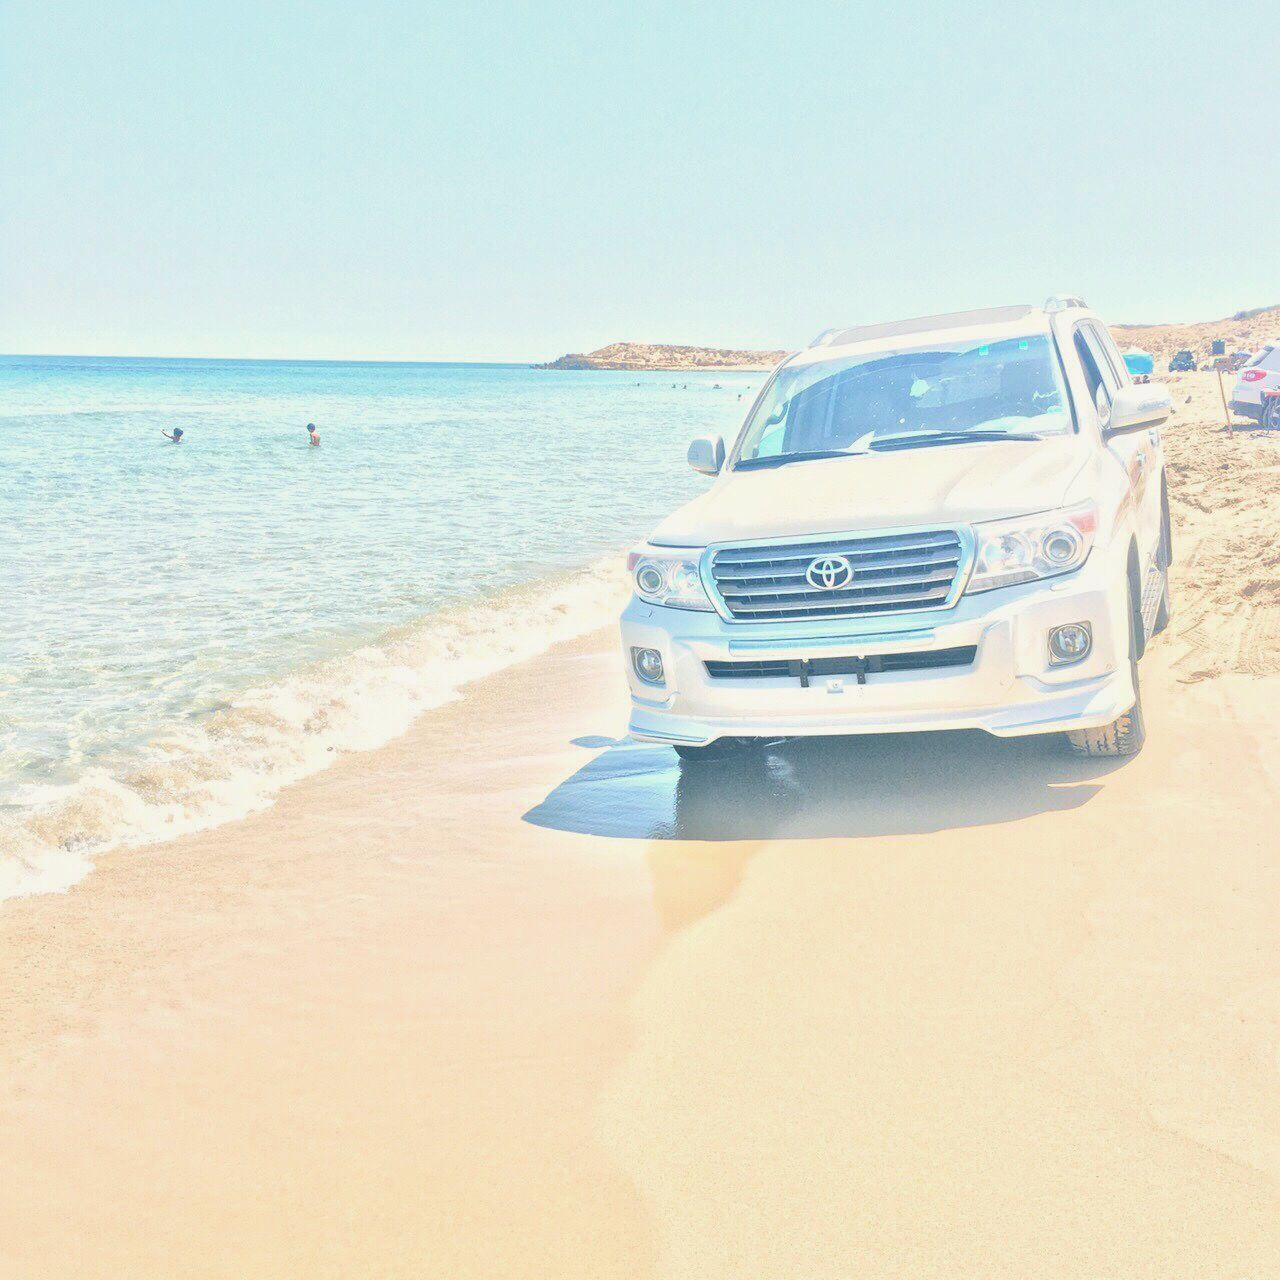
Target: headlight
1031, 547
669, 580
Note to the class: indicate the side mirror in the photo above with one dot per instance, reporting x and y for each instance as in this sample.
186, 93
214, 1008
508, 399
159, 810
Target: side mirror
1137, 408
706, 454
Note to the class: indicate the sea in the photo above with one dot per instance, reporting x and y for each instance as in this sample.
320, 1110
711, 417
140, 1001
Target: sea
187, 628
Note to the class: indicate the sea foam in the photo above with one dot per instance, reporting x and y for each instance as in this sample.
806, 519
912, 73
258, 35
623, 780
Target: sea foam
235, 760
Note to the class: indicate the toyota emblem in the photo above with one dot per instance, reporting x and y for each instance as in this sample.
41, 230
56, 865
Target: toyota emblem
829, 573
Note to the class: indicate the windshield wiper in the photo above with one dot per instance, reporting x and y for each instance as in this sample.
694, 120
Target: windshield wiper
781, 459
923, 439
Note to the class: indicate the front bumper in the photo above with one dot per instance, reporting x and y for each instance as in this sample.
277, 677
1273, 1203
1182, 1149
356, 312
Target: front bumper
1009, 689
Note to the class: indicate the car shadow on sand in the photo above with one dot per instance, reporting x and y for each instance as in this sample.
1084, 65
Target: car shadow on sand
819, 788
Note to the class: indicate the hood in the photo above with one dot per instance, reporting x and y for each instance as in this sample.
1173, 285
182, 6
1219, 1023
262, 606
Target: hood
946, 484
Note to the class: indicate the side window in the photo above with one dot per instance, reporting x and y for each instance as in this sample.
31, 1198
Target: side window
1089, 363
1110, 352
1102, 379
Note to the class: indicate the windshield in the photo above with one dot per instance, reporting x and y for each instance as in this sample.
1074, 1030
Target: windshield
845, 406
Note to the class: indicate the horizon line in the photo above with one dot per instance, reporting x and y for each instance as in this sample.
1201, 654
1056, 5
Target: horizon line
85, 355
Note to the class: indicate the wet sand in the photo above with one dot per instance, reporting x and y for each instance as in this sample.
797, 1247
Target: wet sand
508, 998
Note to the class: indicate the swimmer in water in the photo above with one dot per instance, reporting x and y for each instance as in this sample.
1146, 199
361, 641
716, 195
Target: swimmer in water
313, 433
176, 437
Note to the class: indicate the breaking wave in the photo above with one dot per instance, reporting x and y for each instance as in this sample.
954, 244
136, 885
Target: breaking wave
235, 760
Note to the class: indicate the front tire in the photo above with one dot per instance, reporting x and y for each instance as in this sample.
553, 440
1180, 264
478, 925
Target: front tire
1125, 735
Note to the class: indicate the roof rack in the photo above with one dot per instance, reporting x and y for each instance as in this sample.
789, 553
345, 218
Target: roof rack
1063, 302
924, 324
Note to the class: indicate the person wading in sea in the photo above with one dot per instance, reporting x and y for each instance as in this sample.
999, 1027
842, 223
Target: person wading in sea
176, 437
313, 433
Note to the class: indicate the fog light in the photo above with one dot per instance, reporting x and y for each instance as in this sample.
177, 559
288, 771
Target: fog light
1070, 643
648, 665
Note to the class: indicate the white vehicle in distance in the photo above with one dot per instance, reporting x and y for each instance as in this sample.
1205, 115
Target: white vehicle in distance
1256, 394
953, 522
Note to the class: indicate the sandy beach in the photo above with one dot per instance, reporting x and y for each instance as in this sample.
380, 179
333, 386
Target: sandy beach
510, 997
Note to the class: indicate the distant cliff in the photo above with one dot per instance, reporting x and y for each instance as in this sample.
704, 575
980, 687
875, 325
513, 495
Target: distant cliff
644, 355
1246, 330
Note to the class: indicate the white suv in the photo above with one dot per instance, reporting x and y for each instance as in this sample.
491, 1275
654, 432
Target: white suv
1257, 391
953, 522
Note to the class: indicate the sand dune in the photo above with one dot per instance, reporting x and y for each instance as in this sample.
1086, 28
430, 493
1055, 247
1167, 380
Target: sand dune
1245, 331
509, 998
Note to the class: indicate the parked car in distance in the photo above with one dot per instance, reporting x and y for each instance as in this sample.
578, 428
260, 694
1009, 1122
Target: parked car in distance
1183, 362
1259, 376
956, 522
1271, 410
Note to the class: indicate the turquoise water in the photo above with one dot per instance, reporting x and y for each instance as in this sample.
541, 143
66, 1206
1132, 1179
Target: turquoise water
187, 627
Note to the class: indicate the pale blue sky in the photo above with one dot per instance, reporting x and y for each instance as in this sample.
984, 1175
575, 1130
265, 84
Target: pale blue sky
503, 181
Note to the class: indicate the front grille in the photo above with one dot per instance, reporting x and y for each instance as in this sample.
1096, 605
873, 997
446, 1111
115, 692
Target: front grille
805, 668
892, 573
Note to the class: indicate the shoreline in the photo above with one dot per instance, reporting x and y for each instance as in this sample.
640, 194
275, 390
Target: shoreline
264, 738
